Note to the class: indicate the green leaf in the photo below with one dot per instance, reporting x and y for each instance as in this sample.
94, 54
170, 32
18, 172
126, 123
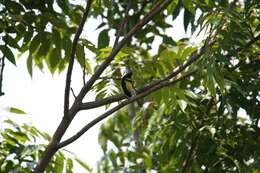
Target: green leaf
54, 59
188, 17
103, 39
11, 41
88, 45
34, 43
210, 79
69, 166
147, 160
59, 163
29, 64
80, 55
56, 37
88, 67
67, 44
187, 52
169, 41
219, 77
26, 40
45, 46
8, 54
9, 139
168, 59
172, 6
188, 4
104, 52
102, 142
83, 164
14, 7
183, 104
16, 110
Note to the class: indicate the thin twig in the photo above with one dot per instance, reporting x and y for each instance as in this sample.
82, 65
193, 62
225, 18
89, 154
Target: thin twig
72, 57
3, 62
2, 73
84, 73
73, 93
119, 32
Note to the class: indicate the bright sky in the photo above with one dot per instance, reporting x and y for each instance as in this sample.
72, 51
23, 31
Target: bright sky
42, 98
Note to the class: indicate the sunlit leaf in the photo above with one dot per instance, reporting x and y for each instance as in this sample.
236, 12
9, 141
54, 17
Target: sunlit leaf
80, 55
83, 164
16, 110
188, 4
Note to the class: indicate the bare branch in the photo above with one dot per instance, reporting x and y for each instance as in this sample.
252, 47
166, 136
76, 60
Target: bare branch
102, 102
52, 146
2, 72
72, 57
73, 93
84, 73
121, 105
119, 32
158, 7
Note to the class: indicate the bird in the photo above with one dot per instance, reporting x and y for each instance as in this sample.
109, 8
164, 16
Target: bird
128, 85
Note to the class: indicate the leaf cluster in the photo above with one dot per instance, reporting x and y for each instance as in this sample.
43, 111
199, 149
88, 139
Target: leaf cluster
21, 146
198, 124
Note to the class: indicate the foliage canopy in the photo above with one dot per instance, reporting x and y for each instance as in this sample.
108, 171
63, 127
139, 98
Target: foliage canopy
192, 121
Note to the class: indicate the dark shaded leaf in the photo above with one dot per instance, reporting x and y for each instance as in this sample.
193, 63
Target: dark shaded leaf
103, 39
8, 54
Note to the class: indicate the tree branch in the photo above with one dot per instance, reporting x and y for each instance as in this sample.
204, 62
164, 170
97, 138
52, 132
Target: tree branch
158, 7
69, 113
64, 124
72, 57
121, 105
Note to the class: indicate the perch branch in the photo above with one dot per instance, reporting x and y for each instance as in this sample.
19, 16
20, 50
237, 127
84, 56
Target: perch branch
160, 85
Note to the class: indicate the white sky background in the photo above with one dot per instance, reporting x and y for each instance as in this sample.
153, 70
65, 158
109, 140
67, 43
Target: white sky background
42, 97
